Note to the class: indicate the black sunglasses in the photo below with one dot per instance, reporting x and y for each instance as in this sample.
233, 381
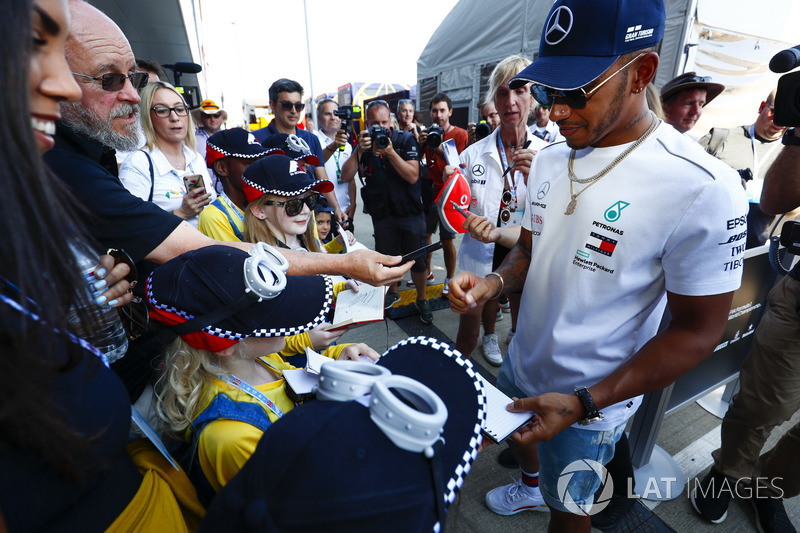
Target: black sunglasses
287, 105
215, 115
294, 206
377, 102
574, 98
114, 81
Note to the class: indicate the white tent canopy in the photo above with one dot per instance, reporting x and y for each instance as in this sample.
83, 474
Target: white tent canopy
701, 35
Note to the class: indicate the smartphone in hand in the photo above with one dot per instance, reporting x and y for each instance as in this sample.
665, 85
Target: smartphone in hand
193, 181
425, 250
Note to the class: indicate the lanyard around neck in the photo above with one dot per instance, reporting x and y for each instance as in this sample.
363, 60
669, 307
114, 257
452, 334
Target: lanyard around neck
253, 392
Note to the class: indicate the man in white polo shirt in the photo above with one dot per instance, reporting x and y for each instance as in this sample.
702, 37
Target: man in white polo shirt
624, 218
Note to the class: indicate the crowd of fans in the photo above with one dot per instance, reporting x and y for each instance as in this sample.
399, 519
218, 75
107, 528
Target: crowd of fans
238, 244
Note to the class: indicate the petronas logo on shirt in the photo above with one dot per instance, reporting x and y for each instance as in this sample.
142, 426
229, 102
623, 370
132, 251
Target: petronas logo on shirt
613, 213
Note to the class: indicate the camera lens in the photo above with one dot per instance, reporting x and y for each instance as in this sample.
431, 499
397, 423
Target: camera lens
482, 130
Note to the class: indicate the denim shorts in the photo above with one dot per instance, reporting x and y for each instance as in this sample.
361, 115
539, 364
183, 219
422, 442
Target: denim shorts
570, 463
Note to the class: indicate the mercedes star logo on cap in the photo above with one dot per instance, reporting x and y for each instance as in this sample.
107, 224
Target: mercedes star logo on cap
558, 25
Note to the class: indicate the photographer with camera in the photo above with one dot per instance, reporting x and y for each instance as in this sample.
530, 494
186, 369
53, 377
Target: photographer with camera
769, 393
750, 150
432, 139
490, 119
336, 151
387, 161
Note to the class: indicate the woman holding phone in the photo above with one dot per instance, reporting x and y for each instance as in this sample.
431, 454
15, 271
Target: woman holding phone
168, 170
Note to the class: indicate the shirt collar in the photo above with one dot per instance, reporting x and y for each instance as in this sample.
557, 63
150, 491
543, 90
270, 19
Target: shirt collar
69, 139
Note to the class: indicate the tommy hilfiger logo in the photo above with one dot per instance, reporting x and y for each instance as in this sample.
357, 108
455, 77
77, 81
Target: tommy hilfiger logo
601, 244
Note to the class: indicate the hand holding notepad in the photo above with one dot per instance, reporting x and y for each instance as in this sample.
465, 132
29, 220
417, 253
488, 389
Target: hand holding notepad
500, 423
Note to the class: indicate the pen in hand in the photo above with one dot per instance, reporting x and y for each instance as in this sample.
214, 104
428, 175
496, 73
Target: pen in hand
463, 213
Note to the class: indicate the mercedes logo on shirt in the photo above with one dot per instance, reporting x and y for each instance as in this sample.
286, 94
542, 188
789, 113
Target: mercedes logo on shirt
543, 190
558, 25
478, 170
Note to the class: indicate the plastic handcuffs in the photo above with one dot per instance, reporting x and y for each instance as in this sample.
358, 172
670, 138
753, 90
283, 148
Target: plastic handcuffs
265, 271
414, 429
342, 381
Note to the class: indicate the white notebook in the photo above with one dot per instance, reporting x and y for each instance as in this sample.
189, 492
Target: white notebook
500, 423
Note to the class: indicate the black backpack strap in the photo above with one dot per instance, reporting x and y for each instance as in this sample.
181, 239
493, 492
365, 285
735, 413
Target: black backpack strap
152, 174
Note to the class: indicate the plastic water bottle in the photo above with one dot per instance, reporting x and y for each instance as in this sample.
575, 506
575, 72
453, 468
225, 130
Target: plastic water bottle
109, 337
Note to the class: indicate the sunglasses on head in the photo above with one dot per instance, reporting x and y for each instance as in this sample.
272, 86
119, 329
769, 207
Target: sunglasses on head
114, 81
294, 206
574, 98
287, 105
162, 111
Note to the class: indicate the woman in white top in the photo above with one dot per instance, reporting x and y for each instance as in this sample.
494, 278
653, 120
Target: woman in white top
156, 172
498, 196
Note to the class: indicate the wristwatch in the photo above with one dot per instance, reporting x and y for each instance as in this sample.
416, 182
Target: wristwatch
592, 414
790, 139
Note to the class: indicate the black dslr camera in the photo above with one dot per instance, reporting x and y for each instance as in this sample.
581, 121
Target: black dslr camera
380, 136
482, 130
787, 99
435, 136
347, 113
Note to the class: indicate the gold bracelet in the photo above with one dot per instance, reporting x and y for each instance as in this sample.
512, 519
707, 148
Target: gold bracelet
502, 284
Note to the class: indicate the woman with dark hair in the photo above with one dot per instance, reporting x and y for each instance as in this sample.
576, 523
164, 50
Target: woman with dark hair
64, 416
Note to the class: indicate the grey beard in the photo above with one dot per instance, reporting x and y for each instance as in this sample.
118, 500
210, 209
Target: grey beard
93, 126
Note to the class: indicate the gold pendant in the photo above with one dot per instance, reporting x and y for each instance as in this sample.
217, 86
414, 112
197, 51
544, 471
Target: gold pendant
572, 205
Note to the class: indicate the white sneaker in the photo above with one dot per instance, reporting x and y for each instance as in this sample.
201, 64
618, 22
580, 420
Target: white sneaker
499, 314
446, 287
491, 350
515, 498
430, 280
510, 336
506, 306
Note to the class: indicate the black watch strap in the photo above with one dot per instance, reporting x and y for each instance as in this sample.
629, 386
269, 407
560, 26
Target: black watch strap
592, 414
789, 138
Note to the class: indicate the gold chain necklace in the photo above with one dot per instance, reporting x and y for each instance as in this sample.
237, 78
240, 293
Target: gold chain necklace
573, 203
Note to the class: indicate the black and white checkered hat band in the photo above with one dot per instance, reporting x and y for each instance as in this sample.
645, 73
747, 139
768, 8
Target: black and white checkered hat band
277, 192
262, 332
456, 479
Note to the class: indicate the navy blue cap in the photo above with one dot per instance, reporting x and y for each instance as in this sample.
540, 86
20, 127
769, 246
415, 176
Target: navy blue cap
201, 281
235, 142
279, 175
326, 466
581, 39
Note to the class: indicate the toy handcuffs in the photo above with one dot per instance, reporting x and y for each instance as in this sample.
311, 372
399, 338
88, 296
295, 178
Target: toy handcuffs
409, 413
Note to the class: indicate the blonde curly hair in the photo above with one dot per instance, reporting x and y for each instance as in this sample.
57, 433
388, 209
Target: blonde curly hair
179, 388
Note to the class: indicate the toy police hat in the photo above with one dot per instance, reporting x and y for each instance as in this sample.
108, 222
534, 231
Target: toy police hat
293, 146
581, 39
327, 466
235, 142
281, 176
199, 282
